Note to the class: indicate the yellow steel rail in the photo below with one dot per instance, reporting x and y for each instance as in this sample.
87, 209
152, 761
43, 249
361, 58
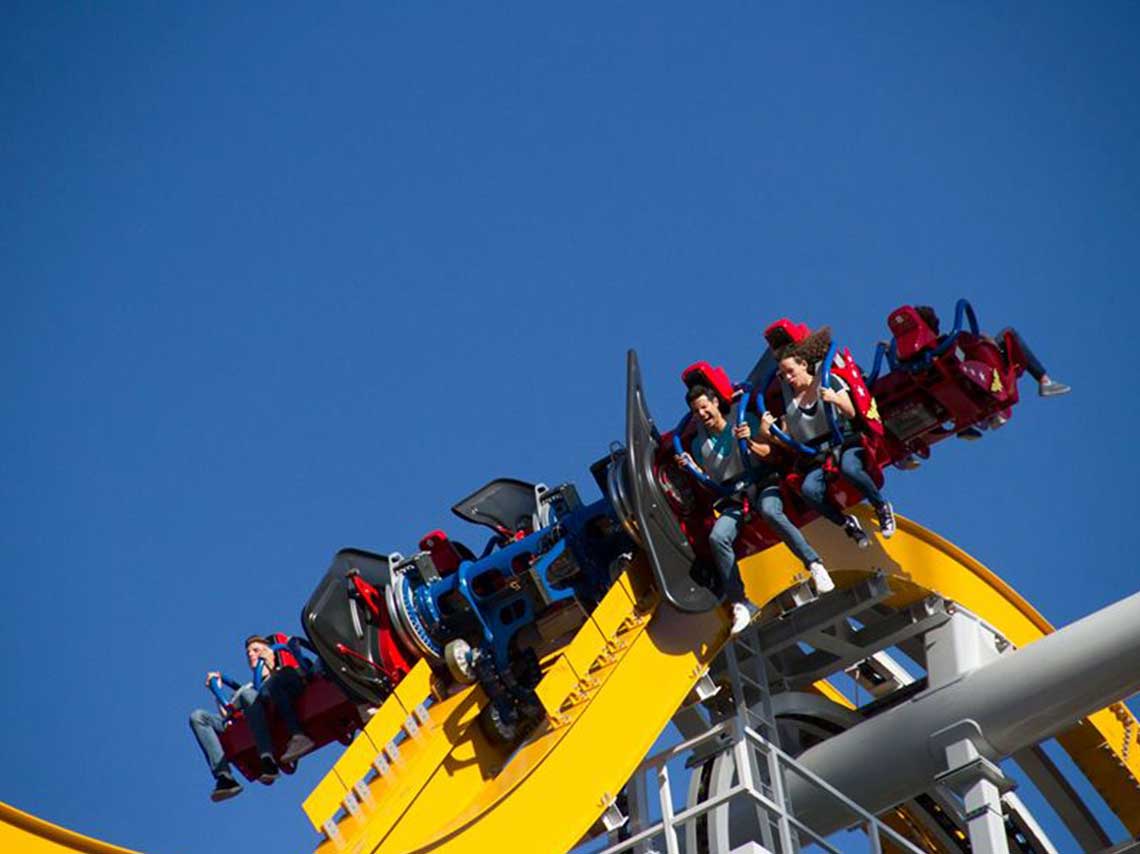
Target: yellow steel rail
23, 833
622, 679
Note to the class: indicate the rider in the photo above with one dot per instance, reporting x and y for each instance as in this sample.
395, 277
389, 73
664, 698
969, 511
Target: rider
716, 449
281, 685
1013, 348
207, 726
806, 421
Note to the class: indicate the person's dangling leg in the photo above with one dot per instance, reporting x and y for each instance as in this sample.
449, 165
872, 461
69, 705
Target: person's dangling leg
772, 511
851, 463
814, 490
255, 714
722, 540
286, 687
1016, 351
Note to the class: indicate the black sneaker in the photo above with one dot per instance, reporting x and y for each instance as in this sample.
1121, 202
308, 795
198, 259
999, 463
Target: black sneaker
855, 531
886, 515
225, 787
268, 770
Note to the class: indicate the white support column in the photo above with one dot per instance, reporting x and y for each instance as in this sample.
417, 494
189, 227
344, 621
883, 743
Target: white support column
958, 646
961, 645
980, 783
672, 845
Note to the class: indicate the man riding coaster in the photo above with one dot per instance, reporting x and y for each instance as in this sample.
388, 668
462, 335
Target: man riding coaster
276, 680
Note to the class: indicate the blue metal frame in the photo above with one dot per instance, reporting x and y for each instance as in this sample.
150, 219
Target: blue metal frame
825, 382
495, 612
216, 689
882, 349
745, 390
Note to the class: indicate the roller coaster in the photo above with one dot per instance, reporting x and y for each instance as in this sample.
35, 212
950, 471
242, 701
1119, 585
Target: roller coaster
515, 694
515, 698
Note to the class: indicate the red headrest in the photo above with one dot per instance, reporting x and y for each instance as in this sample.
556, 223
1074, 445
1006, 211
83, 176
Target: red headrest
912, 335
443, 553
784, 332
702, 373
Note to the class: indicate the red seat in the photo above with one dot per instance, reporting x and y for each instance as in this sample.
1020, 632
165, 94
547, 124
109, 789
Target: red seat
324, 711
912, 336
783, 332
445, 554
925, 402
702, 373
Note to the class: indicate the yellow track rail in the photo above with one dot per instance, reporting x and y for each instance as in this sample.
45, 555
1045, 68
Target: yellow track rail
609, 695
23, 833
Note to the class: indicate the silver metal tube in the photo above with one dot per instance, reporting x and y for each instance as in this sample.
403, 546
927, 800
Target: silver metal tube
1016, 701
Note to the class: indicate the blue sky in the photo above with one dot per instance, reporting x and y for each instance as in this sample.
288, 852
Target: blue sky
280, 279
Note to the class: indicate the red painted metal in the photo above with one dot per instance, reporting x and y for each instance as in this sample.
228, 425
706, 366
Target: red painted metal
324, 711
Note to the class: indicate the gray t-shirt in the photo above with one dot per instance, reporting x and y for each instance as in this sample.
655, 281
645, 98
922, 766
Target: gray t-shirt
808, 424
719, 455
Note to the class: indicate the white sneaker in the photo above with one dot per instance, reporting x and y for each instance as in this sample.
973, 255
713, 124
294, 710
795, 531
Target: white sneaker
742, 614
821, 578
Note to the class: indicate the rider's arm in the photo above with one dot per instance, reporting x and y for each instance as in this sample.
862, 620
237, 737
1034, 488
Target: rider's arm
839, 397
757, 442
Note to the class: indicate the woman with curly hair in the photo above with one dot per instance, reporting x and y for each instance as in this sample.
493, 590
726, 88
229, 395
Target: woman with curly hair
805, 420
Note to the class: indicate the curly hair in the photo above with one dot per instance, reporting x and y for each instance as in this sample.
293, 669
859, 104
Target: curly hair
811, 350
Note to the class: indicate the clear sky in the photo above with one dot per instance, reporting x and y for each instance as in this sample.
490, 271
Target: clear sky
280, 278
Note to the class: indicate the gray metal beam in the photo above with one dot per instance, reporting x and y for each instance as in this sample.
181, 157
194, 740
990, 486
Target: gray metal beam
1008, 705
1063, 798
799, 670
825, 611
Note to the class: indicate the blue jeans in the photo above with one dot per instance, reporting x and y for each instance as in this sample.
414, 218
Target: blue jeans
721, 540
772, 510
207, 726
282, 689
814, 487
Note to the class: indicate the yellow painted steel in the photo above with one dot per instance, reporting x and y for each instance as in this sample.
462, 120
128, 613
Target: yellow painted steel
632, 676
23, 833
328, 797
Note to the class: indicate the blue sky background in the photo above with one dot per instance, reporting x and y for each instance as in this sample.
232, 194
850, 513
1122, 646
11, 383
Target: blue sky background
279, 279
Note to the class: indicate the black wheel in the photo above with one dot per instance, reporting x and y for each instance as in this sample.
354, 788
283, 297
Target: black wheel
498, 730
